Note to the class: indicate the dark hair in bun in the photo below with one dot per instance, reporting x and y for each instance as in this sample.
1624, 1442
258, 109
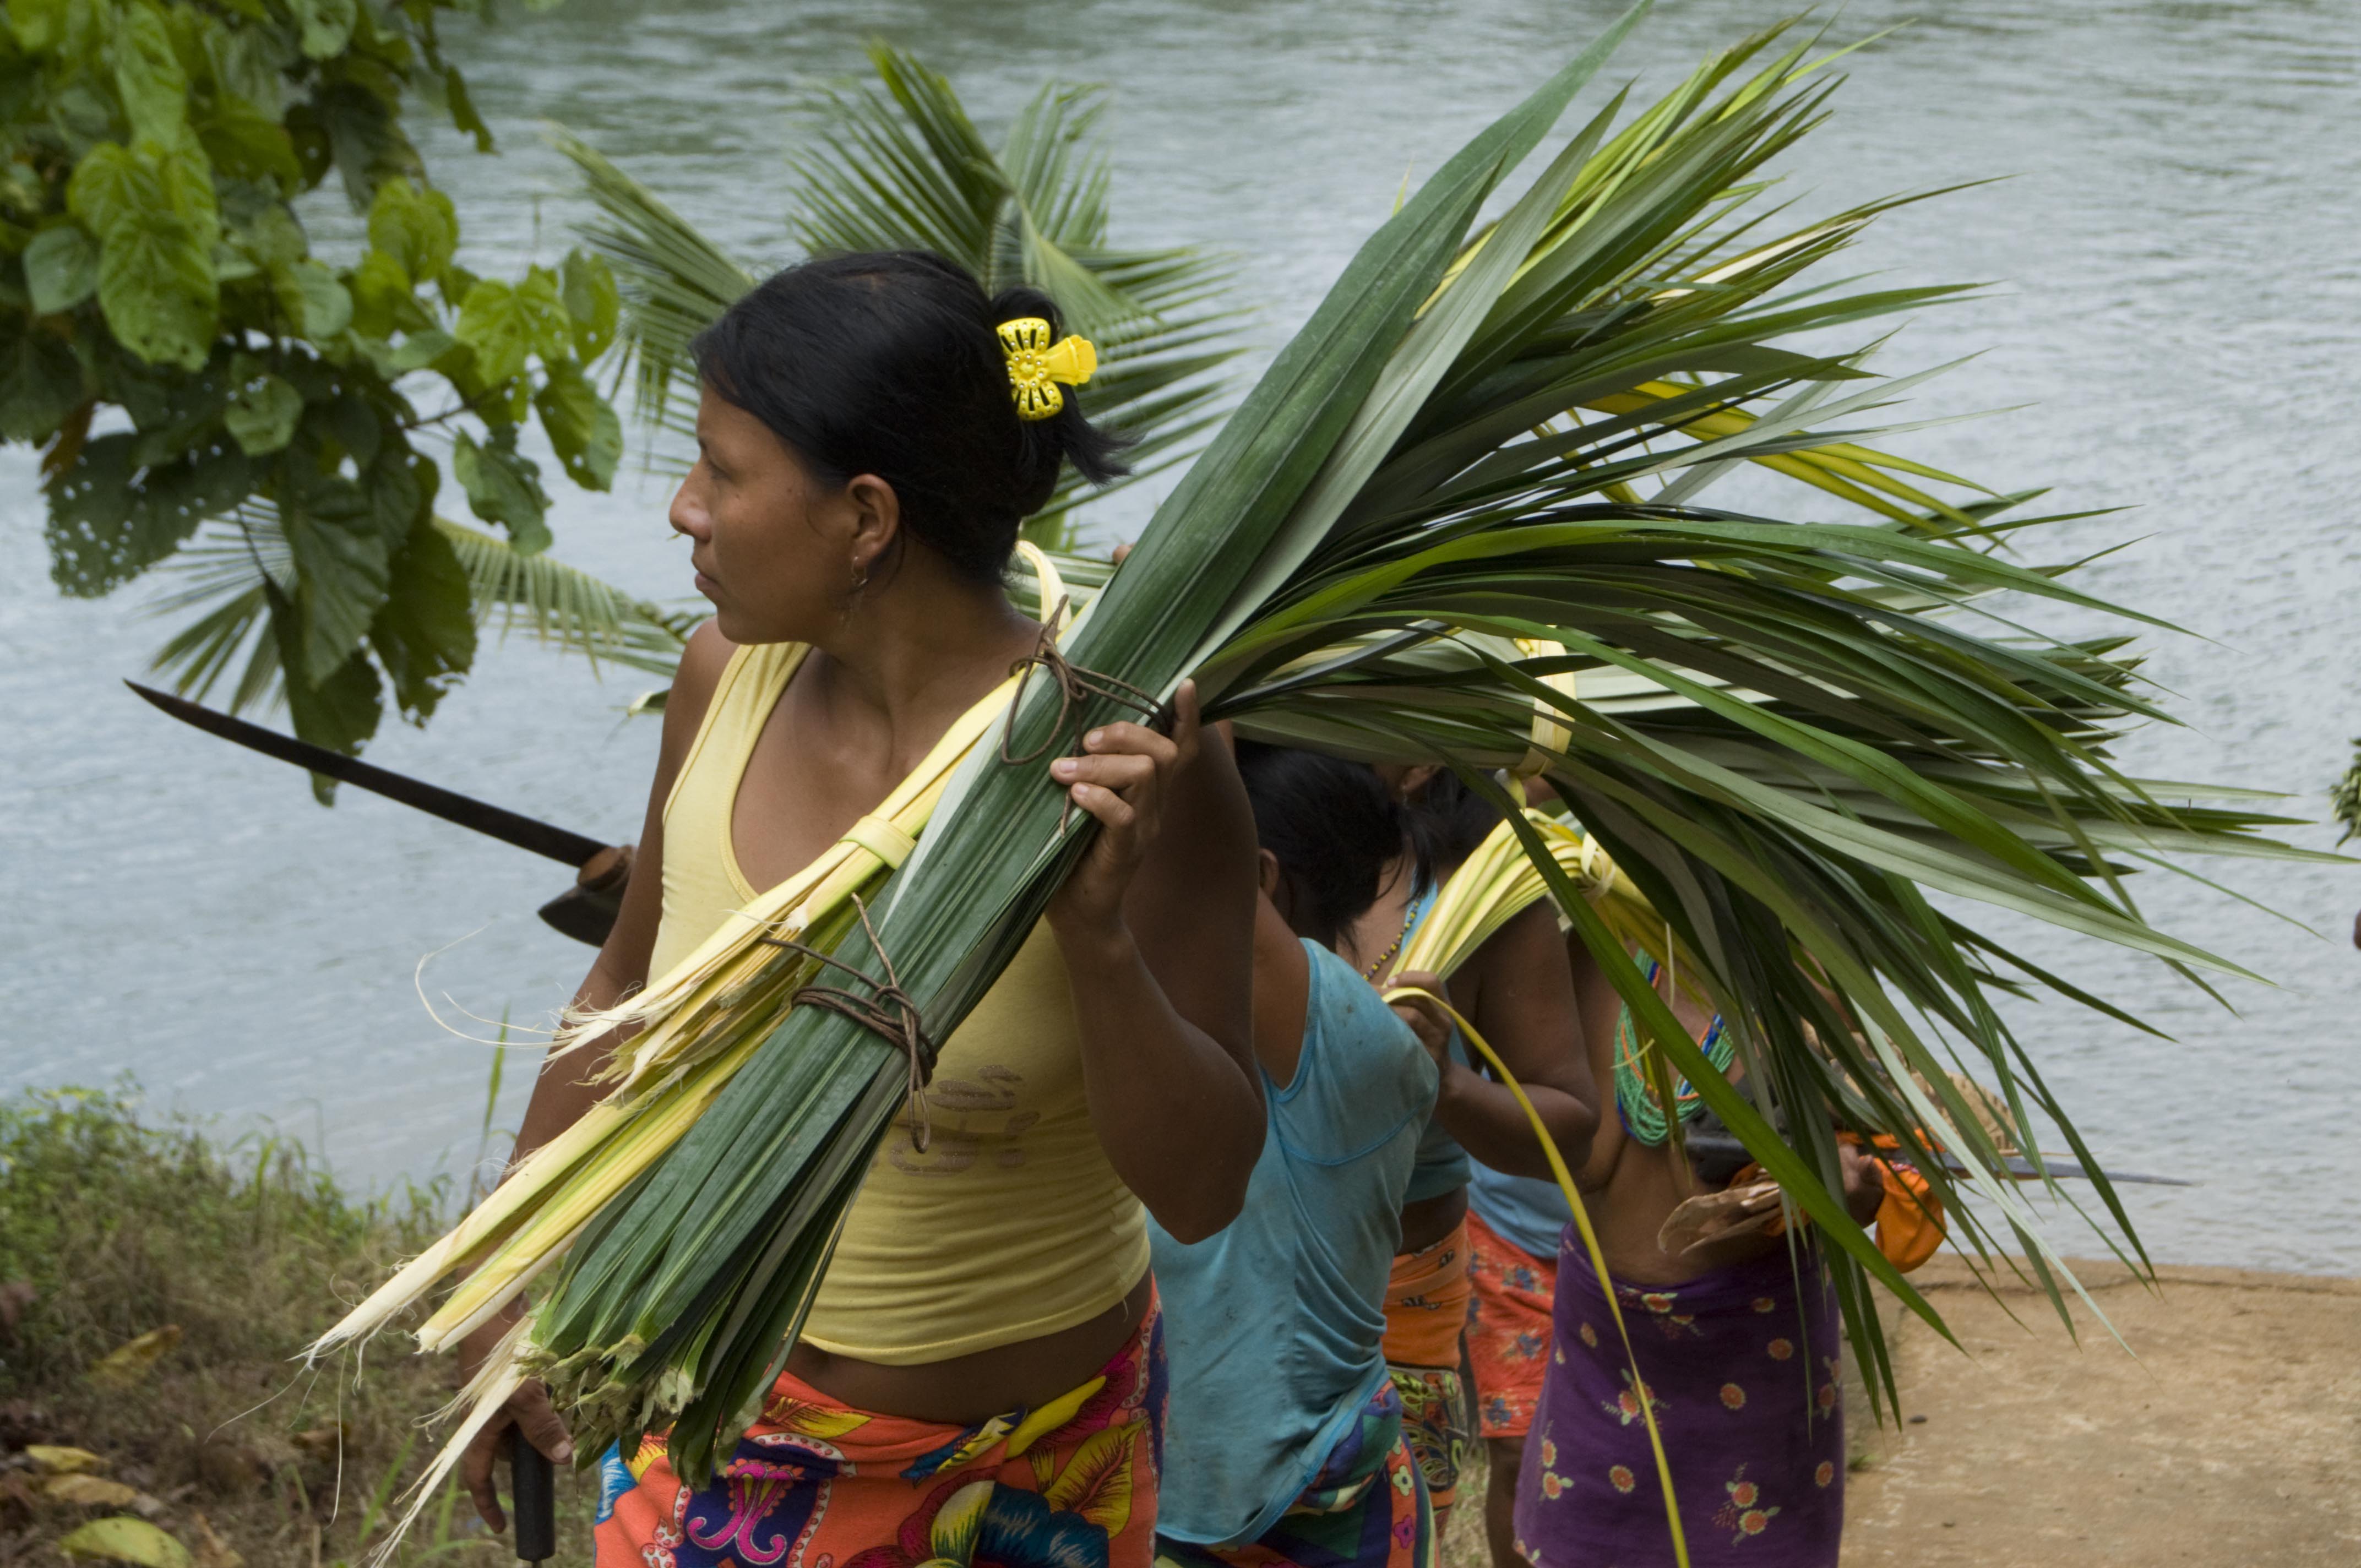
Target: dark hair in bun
1447, 821
1331, 825
888, 363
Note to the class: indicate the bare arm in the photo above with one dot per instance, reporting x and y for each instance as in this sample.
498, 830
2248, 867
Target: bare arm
565, 1088
1519, 993
1156, 927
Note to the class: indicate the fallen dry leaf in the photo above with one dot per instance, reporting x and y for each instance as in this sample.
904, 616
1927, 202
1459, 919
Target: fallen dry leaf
128, 1363
126, 1539
320, 1442
51, 1460
213, 1551
90, 1492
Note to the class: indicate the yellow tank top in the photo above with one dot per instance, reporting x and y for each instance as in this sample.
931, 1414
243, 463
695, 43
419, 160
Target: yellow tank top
1012, 1225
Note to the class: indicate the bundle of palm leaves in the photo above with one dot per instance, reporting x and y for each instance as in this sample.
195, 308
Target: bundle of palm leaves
1464, 494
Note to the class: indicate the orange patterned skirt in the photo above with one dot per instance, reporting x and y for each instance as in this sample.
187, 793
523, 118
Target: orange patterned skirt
815, 1484
1509, 1331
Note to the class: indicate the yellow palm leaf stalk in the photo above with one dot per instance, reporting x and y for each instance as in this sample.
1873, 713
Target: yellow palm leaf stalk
1498, 882
1841, 468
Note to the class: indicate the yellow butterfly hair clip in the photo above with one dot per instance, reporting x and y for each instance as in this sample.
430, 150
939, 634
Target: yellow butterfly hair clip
1036, 365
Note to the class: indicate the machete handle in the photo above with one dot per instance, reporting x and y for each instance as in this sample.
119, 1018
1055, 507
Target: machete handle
533, 1492
587, 911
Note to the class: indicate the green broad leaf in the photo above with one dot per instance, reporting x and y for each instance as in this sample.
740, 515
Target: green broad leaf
505, 324
125, 1539
503, 486
147, 75
247, 144
186, 177
39, 24
262, 417
383, 301
112, 187
340, 712
246, 64
312, 298
352, 424
327, 24
113, 516
418, 228
402, 484
41, 383
342, 569
156, 287
592, 301
61, 269
425, 634
362, 137
421, 349
582, 427
462, 106
270, 236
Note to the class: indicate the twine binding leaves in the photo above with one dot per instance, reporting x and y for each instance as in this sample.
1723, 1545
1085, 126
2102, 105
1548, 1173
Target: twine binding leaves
888, 1011
1075, 685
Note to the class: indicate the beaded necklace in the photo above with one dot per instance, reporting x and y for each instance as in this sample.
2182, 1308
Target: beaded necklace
1410, 917
1635, 1098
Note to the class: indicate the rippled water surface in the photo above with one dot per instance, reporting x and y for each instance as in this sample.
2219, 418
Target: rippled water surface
2177, 307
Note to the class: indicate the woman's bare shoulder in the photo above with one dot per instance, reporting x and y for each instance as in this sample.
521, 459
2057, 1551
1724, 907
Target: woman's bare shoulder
702, 660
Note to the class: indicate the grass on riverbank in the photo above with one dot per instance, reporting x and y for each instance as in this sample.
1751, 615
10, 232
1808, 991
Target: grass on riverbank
115, 1223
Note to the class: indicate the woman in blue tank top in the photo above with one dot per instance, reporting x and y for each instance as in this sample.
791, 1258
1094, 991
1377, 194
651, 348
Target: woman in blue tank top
1283, 1439
1518, 990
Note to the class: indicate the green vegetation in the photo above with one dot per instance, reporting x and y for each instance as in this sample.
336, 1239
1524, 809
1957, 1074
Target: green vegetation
155, 273
115, 1224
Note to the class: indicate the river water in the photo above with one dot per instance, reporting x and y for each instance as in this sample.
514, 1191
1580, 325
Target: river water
2177, 297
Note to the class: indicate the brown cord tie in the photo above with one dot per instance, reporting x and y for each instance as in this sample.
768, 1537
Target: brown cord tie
888, 1011
1075, 684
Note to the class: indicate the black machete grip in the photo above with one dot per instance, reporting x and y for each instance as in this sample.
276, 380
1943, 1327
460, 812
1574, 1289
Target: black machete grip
533, 1485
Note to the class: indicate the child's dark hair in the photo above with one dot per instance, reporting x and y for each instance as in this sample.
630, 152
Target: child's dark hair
1447, 821
888, 363
1331, 825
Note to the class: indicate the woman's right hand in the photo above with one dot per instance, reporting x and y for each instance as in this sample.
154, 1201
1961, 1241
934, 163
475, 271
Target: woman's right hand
529, 1408
1429, 1023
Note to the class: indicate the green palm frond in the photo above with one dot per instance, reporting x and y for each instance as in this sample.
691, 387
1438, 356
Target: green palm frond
899, 165
228, 573
567, 607
232, 566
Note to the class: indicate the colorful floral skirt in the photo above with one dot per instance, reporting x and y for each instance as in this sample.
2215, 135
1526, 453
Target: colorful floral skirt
1427, 1300
1740, 1368
815, 1484
1365, 1508
1507, 1330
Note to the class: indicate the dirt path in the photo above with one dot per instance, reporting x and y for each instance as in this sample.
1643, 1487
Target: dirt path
2233, 1442
2235, 1439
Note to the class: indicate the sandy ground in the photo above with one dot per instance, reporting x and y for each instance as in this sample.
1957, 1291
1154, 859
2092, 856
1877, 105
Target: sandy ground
2231, 1438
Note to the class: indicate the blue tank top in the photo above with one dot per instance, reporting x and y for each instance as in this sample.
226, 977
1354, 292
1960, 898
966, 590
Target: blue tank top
1442, 1166
1273, 1328
1524, 1210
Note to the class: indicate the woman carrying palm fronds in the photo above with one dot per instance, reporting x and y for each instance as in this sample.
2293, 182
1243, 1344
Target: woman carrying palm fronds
1734, 1337
1284, 1444
1515, 989
982, 1361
